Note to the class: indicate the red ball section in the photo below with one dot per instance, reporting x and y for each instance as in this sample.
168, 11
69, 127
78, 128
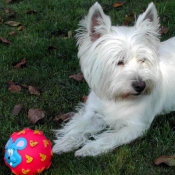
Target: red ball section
28, 152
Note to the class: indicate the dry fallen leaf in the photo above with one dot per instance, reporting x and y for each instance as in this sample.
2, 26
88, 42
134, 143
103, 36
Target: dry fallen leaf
12, 87
4, 40
16, 109
50, 48
12, 33
1, 20
78, 77
168, 160
20, 28
25, 86
69, 33
33, 90
8, 1
128, 19
21, 64
31, 12
118, 4
84, 98
35, 114
12, 23
7, 10
164, 30
64, 117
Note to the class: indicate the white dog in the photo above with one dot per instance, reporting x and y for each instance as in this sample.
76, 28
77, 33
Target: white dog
132, 79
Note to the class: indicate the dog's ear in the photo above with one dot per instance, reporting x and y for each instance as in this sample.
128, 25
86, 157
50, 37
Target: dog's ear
149, 20
95, 24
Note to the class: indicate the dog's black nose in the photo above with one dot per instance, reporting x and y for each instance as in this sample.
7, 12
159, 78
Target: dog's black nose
139, 86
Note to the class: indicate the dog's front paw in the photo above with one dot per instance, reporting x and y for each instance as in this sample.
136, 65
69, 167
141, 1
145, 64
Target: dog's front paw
82, 153
88, 150
67, 143
60, 147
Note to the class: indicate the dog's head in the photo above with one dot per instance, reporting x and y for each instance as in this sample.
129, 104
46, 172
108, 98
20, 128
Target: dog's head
119, 61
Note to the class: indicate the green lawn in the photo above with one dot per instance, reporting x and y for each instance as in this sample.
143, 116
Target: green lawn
46, 23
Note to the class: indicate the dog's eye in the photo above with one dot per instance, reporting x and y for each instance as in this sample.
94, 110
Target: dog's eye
120, 63
142, 60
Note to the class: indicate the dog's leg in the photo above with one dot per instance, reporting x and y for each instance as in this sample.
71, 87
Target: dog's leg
72, 135
83, 125
108, 140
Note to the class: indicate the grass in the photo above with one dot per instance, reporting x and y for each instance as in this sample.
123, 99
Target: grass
50, 71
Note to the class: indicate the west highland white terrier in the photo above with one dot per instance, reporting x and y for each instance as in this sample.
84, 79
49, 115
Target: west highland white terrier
131, 75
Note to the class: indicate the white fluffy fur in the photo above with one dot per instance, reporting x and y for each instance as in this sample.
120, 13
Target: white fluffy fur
111, 59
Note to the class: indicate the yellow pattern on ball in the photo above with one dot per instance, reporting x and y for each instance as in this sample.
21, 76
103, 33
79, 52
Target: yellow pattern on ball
32, 143
29, 159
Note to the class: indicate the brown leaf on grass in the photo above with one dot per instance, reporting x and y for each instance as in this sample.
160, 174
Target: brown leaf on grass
12, 87
77, 77
1, 20
64, 117
163, 30
25, 86
20, 64
32, 90
12, 23
20, 28
35, 114
84, 98
7, 10
128, 19
17, 108
12, 33
4, 40
69, 34
168, 160
8, 1
51, 48
31, 12
118, 4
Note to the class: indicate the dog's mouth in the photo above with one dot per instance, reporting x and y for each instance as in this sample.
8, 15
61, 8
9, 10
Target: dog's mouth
137, 94
146, 91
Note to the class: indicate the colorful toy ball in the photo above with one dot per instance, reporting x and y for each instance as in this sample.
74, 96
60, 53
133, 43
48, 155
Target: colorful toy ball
28, 152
